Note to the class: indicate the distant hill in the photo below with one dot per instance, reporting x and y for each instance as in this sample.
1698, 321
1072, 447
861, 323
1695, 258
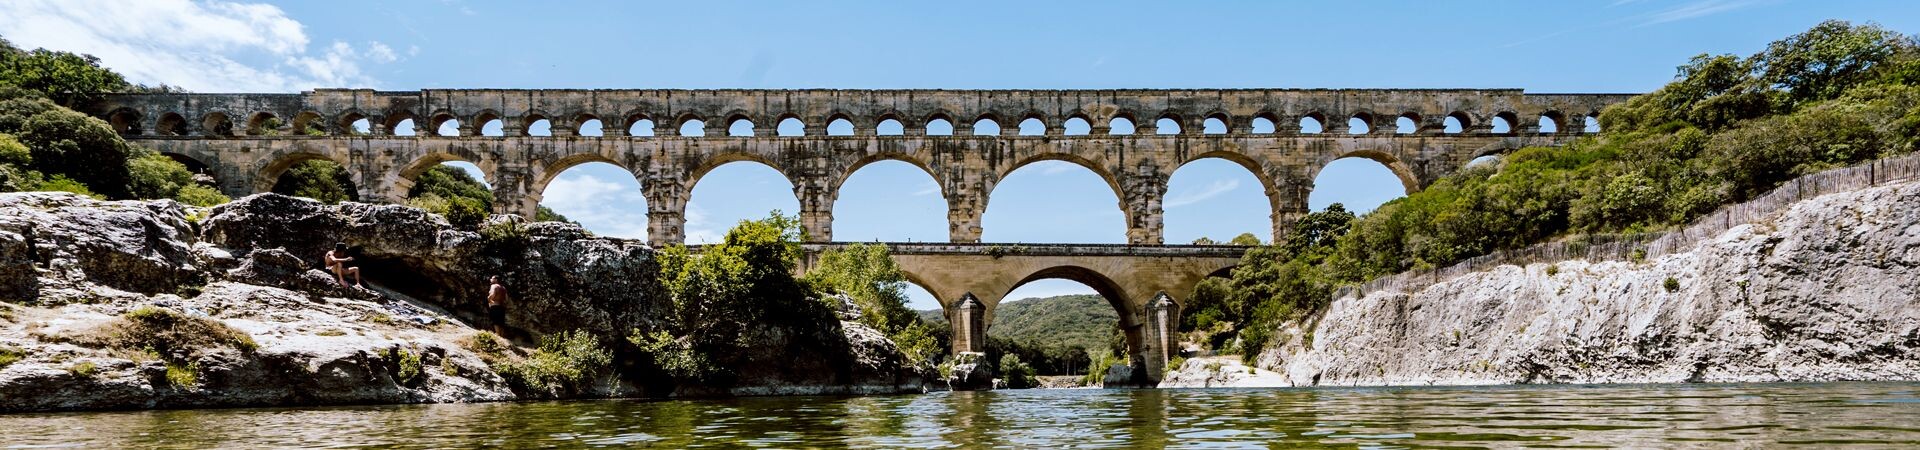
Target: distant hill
1073, 320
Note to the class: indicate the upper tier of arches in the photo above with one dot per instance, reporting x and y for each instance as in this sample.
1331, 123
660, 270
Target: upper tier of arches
713, 114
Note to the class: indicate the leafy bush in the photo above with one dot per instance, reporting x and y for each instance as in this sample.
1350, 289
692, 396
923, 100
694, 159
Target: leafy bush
202, 196
1018, 375
153, 175
60, 183
407, 363
451, 183
564, 360
740, 286
673, 356
1672, 284
10, 355
466, 213
183, 375
317, 179
430, 202
84, 369
867, 274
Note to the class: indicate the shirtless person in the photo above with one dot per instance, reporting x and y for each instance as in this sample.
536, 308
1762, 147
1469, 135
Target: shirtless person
497, 306
337, 260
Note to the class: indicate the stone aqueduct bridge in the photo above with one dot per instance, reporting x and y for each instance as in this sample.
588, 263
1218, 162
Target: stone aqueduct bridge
248, 140
1141, 282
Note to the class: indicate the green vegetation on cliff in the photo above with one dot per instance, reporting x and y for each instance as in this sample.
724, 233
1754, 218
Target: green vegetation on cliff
1726, 130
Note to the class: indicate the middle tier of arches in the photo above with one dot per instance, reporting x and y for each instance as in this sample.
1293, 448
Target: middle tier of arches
966, 169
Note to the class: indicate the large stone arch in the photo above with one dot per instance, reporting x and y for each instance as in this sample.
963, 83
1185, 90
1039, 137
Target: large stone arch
1409, 179
276, 163
1099, 170
397, 186
1277, 202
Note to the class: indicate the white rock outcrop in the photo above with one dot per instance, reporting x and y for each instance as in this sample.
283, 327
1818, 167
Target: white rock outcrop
1827, 290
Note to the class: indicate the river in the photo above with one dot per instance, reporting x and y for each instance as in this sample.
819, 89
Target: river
1739, 415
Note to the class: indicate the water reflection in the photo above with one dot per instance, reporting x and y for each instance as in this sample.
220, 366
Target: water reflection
1881, 414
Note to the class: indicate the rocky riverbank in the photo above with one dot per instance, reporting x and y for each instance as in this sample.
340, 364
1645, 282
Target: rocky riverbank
1828, 290
149, 304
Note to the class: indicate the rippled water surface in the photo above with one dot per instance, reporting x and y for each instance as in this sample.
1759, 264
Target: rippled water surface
1820, 415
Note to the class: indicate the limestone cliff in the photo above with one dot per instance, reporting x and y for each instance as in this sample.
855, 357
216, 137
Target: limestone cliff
76, 273
1827, 290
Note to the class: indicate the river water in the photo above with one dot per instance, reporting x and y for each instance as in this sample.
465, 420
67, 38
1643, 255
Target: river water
1730, 415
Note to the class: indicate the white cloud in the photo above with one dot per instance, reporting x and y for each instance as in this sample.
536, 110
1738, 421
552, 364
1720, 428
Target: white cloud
381, 52
698, 229
1696, 10
929, 189
1213, 190
607, 208
1055, 167
207, 46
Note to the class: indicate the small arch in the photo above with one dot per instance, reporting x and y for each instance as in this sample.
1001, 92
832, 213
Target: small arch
490, 124
1264, 123
1032, 126
406, 128
1215, 124
1407, 123
889, 127
353, 123
1591, 124
939, 126
839, 125
1076, 126
444, 124
1456, 123
986, 126
1167, 124
1484, 160
790, 126
639, 124
263, 124
308, 123
400, 123
739, 126
125, 121
1313, 123
692, 126
1121, 125
1549, 122
1360, 123
171, 124
590, 126
538, 125
1503, 123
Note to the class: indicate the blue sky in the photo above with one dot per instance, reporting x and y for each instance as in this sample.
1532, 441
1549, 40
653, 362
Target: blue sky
1600, 46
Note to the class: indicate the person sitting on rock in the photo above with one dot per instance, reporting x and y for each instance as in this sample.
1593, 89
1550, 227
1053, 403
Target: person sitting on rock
337, 260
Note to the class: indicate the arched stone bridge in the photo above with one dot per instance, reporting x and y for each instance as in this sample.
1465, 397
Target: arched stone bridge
248, 140
1144, 284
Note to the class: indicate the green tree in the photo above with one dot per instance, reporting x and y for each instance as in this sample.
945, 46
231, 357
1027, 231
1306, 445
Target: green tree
867, 274
742, 284
317, 179
1825, 61
65, 142
65, 77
